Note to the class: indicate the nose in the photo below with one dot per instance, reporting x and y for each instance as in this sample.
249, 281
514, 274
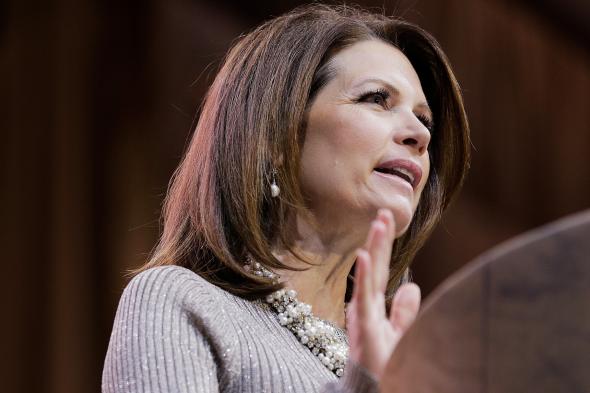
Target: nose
413, 133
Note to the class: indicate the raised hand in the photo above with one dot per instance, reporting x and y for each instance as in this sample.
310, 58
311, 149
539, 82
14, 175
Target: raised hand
373, 337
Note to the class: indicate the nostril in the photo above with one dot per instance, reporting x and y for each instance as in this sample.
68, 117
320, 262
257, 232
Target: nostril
410, 141
415, 144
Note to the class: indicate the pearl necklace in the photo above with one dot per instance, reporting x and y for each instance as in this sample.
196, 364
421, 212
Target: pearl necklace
321, 337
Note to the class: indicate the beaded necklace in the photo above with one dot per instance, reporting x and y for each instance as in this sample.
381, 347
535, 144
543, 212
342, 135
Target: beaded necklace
326, 341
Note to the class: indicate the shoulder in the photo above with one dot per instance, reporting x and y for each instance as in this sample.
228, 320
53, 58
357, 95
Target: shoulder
164, 318
170, 286
168, 276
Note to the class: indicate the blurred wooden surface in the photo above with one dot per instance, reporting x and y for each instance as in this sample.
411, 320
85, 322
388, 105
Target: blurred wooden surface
516, 319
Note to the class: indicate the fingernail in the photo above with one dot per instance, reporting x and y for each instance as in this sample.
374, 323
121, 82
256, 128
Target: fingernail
379, 225
409, 293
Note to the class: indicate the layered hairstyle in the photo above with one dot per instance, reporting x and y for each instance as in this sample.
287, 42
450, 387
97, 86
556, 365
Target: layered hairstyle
219, 210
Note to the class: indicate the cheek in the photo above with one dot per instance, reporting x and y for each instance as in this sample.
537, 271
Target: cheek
340, 131
339, 149
423, 181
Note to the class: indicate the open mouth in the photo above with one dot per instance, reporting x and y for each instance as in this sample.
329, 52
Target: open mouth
397, 172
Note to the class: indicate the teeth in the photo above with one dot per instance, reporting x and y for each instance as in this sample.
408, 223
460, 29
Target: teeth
406, 172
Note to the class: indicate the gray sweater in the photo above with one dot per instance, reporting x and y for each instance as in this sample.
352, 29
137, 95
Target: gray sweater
176, 332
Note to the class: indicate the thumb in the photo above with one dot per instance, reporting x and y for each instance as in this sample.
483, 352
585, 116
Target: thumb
405, 306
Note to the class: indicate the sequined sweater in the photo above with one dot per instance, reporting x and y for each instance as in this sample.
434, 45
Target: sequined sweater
176, 332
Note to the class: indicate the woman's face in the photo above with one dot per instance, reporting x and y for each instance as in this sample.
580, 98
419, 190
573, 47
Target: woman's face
367, 130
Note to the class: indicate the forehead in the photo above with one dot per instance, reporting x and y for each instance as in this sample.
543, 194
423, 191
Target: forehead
375, 59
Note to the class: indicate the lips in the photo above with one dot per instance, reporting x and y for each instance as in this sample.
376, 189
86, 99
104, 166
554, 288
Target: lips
405, 169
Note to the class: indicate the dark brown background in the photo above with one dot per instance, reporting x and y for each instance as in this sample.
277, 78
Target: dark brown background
98, 100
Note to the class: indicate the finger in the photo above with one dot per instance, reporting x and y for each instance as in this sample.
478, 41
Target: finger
378, 249
350, 309
386, 216
351, 317
374, 241
405, 306
362, 291
381, 246
356, 280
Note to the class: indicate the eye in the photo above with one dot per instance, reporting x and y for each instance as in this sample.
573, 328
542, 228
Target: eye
378, 97
426, 121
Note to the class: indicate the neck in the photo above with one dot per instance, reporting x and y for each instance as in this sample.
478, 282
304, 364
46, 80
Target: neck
323, 284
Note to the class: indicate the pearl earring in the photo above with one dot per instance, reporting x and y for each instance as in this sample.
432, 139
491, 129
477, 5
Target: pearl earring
274, 189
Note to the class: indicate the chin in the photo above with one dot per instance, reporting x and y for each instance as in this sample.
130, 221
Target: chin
403, 230
401, 224
402, 215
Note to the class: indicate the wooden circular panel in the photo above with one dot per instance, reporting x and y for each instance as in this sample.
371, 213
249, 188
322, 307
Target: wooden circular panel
516, 319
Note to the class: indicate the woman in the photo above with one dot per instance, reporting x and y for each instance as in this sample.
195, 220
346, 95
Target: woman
327, 133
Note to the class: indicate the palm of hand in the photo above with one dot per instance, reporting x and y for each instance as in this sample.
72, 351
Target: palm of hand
372, 335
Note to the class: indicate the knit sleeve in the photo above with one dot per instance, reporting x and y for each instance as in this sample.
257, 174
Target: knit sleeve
155, 345
356, 379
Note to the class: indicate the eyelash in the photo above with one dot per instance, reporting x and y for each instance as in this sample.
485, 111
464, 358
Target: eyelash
384, 94
426, 121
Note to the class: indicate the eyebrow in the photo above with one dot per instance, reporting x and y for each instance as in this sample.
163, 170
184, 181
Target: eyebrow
422, 105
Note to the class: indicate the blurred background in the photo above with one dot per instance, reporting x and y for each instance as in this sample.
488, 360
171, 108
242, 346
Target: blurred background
99, 99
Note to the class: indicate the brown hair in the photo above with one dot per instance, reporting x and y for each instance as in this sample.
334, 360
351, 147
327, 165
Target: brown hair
219, 208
